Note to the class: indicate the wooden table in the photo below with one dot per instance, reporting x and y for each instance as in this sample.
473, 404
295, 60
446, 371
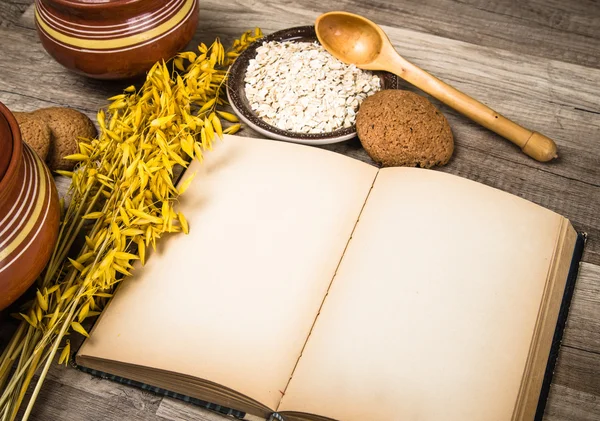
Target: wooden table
535, 61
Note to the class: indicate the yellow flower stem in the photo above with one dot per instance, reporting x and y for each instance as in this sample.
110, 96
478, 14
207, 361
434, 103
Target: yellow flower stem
28, 356
26, 363
9, 361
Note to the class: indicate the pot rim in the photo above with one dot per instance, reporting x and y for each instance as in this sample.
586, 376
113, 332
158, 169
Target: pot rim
15, 158
94, 4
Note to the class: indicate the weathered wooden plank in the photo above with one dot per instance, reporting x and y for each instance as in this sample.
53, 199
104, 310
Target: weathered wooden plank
562, 30
583, 323
578, 370
61, 401
518, 74
31, 79
573, 397
27, 19
11, 11
125, 396
558, 99
175, 410
566, 404
555, 98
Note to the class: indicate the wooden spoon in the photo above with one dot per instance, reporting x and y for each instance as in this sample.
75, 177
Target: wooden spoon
356, 40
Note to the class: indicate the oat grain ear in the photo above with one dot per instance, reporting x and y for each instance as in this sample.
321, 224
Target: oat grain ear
122, 198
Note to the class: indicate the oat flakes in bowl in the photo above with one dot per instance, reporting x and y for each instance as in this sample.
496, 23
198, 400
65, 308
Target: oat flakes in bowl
287, 87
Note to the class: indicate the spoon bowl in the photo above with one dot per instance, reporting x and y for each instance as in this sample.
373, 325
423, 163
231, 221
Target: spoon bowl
350, 38
356, 40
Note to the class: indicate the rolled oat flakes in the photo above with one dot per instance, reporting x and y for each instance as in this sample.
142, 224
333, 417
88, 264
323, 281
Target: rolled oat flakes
300, 87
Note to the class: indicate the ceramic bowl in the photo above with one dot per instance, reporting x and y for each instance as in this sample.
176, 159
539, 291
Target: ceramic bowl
29, 212
114, 39
241, 106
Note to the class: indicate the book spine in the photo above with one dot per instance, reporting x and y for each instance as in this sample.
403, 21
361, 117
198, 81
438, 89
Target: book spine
561, 323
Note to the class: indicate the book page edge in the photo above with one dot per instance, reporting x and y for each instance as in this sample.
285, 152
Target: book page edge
533, 376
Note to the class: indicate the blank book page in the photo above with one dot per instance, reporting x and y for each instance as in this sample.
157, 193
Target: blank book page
233, 301
431, 314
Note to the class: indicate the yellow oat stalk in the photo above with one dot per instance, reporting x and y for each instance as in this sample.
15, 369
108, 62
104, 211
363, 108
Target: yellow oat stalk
122, 195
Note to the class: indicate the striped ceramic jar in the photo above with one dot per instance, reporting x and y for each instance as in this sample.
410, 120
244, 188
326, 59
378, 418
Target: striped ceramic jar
114, 39
29, 212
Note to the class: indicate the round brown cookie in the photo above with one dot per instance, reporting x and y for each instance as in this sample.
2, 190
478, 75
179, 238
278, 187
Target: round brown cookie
66, 125
21, 116
34, 132
401, 128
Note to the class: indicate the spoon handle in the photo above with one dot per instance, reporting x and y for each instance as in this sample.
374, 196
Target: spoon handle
533, 144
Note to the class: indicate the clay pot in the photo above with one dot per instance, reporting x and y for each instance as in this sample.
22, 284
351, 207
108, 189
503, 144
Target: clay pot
29, 212
114, 39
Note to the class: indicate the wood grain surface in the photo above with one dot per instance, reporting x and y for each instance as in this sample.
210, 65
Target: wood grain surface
535, 61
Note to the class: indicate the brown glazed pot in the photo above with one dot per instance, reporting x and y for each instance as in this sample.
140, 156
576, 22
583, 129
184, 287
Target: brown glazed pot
114, 39
29, 212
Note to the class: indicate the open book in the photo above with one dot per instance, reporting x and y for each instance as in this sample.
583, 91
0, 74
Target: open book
320, 287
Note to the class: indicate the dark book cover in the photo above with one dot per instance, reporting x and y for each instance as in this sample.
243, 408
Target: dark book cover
560, 325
